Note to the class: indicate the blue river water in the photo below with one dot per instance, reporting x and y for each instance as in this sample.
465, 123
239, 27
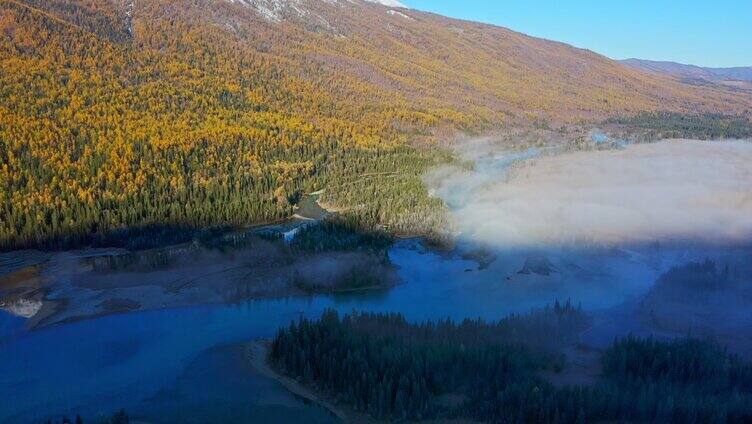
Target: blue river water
188, 365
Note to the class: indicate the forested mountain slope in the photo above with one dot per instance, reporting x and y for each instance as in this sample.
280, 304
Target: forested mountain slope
192, 113
740, 74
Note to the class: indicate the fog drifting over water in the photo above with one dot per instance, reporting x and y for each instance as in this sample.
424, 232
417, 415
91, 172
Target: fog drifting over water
683, 190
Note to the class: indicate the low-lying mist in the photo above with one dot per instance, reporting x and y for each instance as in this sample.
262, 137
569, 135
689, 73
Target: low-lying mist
602, 227
683, 191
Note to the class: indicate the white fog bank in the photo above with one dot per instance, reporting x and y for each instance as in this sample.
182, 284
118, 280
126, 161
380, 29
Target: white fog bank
669, 191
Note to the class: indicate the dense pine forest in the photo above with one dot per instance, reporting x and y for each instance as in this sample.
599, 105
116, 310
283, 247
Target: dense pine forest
98, 137
651, 126
382, 365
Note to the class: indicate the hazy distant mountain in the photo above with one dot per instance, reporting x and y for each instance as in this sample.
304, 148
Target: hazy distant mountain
738, 74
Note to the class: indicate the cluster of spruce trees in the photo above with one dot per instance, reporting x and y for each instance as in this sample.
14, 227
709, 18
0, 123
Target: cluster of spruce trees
707, 126
120, 417
340, 234
699, 277
390, 368
382, 365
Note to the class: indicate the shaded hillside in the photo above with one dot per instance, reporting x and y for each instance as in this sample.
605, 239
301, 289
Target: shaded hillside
705, 299
196, 113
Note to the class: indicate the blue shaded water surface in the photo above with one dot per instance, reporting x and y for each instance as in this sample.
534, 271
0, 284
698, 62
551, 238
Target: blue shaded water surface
188, 364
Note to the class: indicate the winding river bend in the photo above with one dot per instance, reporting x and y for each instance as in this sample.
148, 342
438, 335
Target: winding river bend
189, 364
186, 364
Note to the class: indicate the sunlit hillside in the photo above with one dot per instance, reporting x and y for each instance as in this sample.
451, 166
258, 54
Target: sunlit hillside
118, 114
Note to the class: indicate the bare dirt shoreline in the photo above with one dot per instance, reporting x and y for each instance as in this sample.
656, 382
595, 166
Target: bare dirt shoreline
258, 351
70, 286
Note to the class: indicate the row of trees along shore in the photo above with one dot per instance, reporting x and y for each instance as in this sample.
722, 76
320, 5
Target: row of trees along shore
385, 366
